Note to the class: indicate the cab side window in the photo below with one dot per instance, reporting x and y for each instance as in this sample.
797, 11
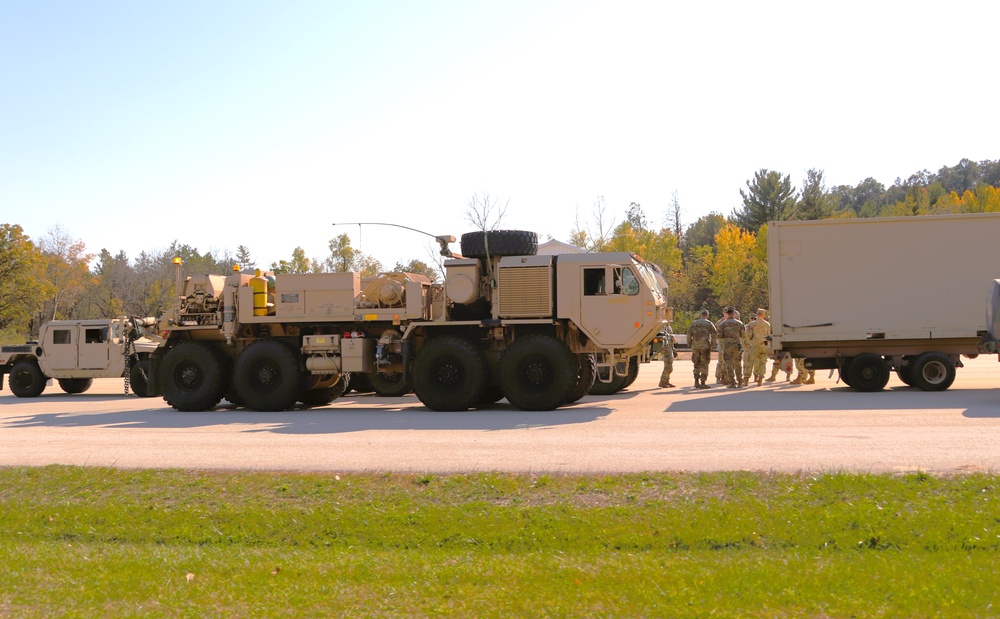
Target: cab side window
630, 283
96, 336
62, 336
593, 282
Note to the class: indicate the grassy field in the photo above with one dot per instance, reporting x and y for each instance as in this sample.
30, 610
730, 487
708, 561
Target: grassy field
88, 542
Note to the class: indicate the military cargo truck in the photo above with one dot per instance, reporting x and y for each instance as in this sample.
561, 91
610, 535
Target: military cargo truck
75, 352
505, 322
871, 296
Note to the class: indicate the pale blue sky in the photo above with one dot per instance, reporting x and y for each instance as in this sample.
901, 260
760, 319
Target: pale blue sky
134, 124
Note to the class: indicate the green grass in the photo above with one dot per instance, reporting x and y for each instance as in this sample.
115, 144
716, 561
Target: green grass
86, 542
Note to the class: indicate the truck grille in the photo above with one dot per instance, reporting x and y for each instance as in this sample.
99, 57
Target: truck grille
525, 292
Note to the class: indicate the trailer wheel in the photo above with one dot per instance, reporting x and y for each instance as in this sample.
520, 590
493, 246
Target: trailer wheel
324, 395
75, 385
268, 377
933, 371
868, 372
192, 377
27, 380
501, 243
585, 378
389, 384
633, 372
450, 374
616, 384
538, 373
905, 372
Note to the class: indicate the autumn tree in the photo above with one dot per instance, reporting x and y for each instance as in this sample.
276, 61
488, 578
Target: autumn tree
739, 272
597, 236
21, 292
301, 264
66, 275
770, 197
417, 266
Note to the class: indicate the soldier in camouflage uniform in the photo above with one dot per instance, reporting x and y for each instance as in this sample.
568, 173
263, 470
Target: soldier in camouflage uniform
759, 331
720, 367
746, 344
803, 376
668, 357
730, 333
701, 336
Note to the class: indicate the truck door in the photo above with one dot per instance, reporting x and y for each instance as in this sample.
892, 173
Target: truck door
95, 347
59, 348
611, 304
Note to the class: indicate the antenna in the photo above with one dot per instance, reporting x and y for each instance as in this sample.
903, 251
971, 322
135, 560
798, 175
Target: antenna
442, 240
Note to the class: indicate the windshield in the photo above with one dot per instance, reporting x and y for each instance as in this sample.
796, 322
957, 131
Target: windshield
649, 278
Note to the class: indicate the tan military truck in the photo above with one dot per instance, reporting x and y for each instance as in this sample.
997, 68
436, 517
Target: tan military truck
75, 352
871, 296
505, 323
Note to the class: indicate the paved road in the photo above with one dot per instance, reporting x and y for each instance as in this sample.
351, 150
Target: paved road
780, 427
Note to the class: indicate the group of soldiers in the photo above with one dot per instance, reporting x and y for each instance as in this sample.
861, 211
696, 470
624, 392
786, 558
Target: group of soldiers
743, 352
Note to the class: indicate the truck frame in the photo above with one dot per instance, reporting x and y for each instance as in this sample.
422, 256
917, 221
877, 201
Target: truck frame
871, 296
506, 323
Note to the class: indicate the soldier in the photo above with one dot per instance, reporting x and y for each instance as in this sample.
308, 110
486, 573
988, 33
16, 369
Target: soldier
668, 357
803, 376
701, 336
746, 344
730, 333
759, 331
720, 367
784, 363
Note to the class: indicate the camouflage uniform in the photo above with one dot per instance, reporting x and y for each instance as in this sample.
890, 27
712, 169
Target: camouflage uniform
668, 357
759, 331
701, 336
730, 333
803, 376
746, 346
720, 367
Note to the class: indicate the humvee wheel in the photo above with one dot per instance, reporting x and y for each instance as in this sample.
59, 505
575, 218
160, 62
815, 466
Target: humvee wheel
192, 377
500, 243
27, 380
75, 385
268, 377
389, 384
449, 374
138, 378
585, 378
538, 373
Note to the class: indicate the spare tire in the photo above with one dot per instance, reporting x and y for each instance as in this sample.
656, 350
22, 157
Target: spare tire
500, 243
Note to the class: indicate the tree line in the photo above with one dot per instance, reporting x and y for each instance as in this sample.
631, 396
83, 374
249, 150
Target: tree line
710, 263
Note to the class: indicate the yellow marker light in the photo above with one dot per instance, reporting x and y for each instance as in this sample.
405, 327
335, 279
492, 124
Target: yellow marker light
371, 316
236, 267
177, 260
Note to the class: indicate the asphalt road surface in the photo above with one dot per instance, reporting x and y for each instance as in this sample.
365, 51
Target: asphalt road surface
777, 427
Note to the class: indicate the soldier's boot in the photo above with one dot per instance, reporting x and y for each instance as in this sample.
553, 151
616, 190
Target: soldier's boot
773, 376
800, 379
760, 380
812, 378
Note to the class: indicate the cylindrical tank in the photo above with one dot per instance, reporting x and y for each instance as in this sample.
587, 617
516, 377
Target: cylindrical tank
259, 286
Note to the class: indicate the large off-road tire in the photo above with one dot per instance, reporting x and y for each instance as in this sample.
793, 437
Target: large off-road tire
633, 372
75, 385
268, 377
538, 373
616, 384
933, 371
192, 377
389, 384
324, 395
868, 372
585, 377
27, 380
450, 374
499, 243
138, 378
